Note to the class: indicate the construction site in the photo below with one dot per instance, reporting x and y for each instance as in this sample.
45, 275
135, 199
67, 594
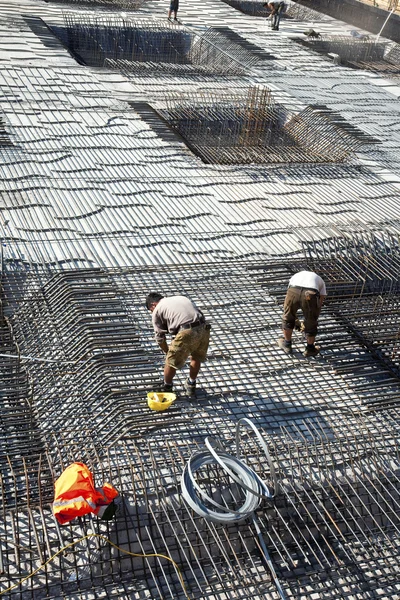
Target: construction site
210, 157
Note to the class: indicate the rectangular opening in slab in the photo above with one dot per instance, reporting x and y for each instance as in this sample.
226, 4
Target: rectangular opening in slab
130, 5
371, 16
356, 52
150, 46
290, 11
253, 128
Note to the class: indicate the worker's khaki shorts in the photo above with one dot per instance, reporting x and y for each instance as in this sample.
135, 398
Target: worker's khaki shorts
188, 342
309, 303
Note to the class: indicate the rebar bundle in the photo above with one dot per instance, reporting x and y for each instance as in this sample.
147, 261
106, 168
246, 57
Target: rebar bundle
148, 46
234, 129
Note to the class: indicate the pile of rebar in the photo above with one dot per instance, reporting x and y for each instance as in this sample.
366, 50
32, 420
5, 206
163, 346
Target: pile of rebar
252, 128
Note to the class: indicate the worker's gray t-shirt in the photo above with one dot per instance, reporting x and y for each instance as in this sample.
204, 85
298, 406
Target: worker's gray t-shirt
309, 279
173, 312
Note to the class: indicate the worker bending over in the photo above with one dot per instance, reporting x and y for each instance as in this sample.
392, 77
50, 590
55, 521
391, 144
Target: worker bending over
179, 317
306, 291
276, 9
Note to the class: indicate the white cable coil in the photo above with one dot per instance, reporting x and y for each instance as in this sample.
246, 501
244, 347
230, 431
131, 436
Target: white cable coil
254, 487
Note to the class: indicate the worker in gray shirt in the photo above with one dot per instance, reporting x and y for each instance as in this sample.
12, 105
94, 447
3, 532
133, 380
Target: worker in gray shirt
306, 291
179, 317
276, 8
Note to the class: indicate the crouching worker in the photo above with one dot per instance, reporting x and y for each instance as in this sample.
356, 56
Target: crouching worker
179, 317
306, 291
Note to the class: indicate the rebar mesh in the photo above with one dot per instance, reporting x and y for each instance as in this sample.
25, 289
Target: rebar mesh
252, 128
333, 532
148, 46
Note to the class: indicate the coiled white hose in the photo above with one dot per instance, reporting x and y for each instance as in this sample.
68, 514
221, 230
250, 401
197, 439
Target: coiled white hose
254, 487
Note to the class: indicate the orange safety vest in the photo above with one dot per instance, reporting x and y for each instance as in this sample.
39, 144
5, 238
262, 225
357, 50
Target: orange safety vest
75, 494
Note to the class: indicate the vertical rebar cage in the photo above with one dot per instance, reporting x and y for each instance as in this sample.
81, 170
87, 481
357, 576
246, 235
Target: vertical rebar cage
147, 46
252, 128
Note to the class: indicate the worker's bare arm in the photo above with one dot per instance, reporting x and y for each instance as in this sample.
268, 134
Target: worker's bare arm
322, 299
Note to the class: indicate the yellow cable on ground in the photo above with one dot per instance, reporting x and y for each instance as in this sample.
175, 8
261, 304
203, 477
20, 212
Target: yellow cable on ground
103, 537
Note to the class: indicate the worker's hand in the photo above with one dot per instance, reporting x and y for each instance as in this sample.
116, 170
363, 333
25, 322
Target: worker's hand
163, 345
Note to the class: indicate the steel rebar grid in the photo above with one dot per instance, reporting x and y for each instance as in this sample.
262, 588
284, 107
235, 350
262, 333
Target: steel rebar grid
367, 264
111, 372
78, 304
336, 521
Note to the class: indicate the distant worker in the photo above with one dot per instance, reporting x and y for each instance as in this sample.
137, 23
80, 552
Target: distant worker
306, 291
276, 9
179, 317
173, 8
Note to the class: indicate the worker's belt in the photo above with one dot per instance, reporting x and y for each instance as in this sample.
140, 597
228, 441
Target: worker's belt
299, 287
192, 325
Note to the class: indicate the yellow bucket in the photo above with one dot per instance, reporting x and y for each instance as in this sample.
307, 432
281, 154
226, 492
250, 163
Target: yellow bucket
160, 400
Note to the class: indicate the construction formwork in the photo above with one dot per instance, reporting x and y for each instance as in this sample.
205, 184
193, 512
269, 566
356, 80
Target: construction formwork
83, 338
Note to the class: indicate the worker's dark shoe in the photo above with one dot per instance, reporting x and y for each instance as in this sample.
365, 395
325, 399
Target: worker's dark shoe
190, 388
285, 347
166, 387
311, 351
